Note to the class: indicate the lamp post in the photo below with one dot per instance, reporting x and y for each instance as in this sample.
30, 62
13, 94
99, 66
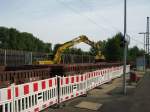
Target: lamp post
125, 50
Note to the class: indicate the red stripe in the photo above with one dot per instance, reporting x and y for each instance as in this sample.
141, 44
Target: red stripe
89, 75
77, 78
61, 81
26, 89
75, 68
72, 79
16, 92
85, 77
35, 87
9, 94
81, 78
43, 85
36, 109
50, 83
66, 97
67, 80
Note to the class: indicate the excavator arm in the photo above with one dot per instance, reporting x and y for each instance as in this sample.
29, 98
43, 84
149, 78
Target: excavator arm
63, 47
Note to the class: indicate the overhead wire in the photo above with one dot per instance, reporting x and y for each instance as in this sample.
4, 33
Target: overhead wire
100, 27
105, 19
110, 24
114, 27
136, 40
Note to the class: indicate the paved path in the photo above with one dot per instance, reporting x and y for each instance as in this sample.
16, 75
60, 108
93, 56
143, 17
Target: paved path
139, 101
96, 95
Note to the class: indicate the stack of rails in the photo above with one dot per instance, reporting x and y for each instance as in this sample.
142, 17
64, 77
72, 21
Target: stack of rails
71, 69
23, 76
29, 73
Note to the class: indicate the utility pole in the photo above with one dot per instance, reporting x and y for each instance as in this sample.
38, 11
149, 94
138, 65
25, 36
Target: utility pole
125, 49
147, 34
146, 44
144, 33
147, 38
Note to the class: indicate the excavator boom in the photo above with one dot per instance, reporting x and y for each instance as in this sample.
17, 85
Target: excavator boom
63, 47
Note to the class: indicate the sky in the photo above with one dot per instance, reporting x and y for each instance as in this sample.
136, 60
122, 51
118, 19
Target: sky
58, 21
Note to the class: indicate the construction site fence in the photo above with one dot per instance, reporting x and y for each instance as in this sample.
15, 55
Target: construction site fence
74, 58
39, 95
15, 57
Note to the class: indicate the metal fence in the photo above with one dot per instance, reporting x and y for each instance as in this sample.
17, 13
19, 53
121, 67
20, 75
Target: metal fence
14, 57
73, 58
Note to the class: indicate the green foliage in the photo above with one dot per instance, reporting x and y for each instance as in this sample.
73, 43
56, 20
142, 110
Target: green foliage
94, 51
56, 46
134, 52
13, 39
112, 50
77, 51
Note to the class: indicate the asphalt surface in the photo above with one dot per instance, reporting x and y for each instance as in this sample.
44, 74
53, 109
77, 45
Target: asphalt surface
138, 101
102, 95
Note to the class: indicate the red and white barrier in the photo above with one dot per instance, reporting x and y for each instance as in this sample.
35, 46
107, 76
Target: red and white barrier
29, 97
38, 95
71, 87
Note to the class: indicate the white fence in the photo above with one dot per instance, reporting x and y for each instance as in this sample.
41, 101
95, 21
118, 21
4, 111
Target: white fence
38, 95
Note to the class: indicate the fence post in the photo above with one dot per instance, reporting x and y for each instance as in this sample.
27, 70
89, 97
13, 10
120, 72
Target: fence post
5, 56
82, 58
13, 97
31, 58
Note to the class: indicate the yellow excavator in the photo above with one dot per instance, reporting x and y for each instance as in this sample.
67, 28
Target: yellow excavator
63, 47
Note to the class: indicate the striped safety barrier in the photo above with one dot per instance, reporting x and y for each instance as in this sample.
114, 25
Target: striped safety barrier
38, 95
29, 97
72, 86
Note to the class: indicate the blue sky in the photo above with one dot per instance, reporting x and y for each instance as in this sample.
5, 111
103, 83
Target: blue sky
58, 21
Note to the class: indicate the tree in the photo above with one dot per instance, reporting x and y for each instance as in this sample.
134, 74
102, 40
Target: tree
4, 37
134, 52
10, 38
93, 51
73, 50
112, 50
